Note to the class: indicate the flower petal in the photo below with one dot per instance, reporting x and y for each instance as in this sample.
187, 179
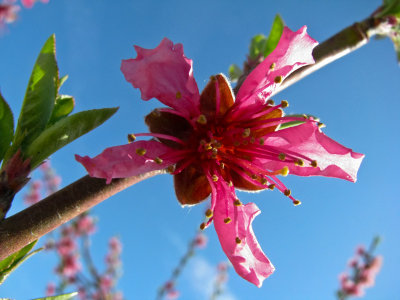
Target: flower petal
164, 73
333, 159
169, 124
293, 51
191, 186
237, 237
127, 160
209, 98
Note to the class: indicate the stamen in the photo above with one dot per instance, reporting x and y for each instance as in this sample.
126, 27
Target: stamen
254, 176
140, 151
246, 132
284, 104
321, 125
282, 156
296, 202
227, 220
270, 102
215, 178
209, 213
158, 160
299, 162
278, 79
287, 192
202, 226
314, 164
285, 171
238, 240
230, 183
178, 95
271, 186
272, 66
264, 181
170, 169
202, 120
207, 147
237, 202
131, 138
261, 141
222, 165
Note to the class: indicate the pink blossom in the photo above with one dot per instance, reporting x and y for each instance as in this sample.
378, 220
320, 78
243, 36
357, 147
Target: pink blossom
30, 3
50, 289
85, 225
216, 143
33, 196
200, 240
8, 12
106, 283
70, 266
115, 244
66, 246
172, 295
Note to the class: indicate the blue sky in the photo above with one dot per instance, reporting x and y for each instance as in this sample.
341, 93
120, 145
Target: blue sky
357, 97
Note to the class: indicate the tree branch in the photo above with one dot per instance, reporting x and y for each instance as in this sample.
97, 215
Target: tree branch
35, 221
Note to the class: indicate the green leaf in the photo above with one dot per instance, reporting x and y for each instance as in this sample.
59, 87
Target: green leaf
257, 45
390, 8
59, 297
6, 126
9, 264
62, 80
234, 72
62, 108
40, 96
274, 35
65, 131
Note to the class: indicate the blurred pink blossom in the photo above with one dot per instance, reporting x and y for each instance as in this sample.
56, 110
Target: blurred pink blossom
30, 3
50, 289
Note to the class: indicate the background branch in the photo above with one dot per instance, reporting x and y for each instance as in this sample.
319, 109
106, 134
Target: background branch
37, 220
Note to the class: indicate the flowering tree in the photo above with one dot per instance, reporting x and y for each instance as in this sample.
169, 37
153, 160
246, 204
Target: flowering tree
211, 142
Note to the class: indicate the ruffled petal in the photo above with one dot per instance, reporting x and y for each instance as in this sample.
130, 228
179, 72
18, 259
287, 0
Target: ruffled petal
293, 51
237, 237
333, 159
164, 73
127, 160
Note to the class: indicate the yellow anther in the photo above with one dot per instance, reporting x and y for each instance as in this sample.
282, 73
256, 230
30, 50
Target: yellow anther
278, 79
299, 162
296, 202
140, 151
202, 226
171, 169
237, 202
230, 183
208, 147
246, 132
305, 116
287, 192
321, 125
271, 186
285, 171
284, 104
314, 164
214, 151
238, 241
131, 138
222, 165
178, 95
202, 119
209, 213
282, 156
158, 160
272, 66
227, 220
264, 181
254, 176
212, 78
215, 178
261, 141
271, 102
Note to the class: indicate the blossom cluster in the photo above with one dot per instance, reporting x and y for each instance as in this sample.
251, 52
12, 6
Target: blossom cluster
9, 10
363, 269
